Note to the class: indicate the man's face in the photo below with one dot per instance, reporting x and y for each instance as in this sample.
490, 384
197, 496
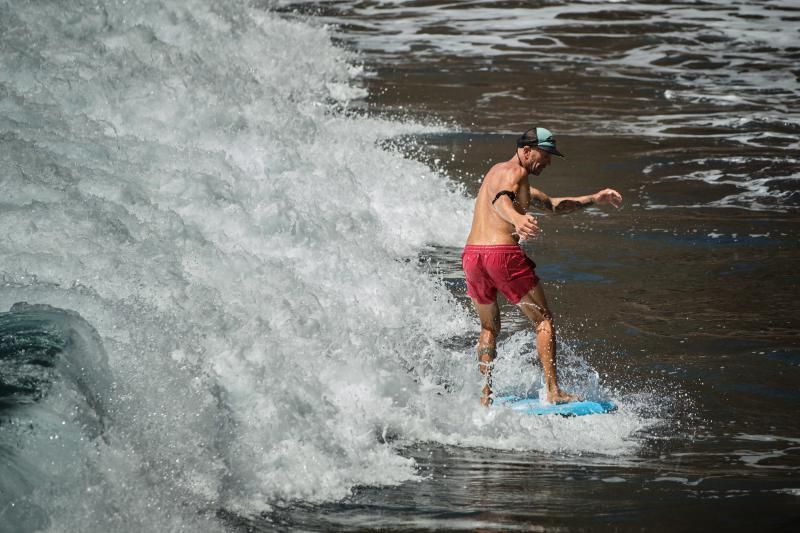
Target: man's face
539, 160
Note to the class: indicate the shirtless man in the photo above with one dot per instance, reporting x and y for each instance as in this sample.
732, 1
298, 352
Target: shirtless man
493, 260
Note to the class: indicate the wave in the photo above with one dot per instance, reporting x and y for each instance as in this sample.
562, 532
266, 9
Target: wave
193, 181
55, 386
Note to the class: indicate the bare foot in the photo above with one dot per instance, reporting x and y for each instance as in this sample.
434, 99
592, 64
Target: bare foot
486, 396
560, 396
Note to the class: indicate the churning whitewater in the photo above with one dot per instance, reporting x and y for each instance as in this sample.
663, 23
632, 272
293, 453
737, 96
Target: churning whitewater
220, 264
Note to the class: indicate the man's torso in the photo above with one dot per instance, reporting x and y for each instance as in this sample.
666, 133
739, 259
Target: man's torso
488, 227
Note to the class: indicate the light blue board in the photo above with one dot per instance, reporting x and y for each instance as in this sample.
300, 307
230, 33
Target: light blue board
533, 406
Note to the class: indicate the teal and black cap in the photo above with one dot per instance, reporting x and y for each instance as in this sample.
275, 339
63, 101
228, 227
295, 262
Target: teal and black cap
540, 138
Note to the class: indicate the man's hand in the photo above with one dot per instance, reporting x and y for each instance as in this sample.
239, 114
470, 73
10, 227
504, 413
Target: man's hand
607, 196
526, 227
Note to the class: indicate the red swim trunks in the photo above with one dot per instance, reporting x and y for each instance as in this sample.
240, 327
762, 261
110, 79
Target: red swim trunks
501, 266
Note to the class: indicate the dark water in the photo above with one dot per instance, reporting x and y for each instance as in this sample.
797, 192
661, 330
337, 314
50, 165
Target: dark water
689, 292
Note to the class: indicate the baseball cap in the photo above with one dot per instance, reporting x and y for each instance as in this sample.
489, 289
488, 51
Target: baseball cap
540, 138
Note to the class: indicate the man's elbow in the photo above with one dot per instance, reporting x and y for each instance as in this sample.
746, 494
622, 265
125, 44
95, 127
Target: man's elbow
565, 207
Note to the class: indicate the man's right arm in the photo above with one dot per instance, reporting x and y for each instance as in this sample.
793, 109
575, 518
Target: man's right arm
524, 224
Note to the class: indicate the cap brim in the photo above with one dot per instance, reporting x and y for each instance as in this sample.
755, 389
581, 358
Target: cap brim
551, 150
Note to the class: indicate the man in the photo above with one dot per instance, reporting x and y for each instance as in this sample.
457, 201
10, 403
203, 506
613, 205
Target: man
493, 260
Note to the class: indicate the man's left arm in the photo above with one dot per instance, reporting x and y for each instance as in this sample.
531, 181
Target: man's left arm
562, 206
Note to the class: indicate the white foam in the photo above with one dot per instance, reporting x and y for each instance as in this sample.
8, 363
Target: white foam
240, 249
679, 479
768, 192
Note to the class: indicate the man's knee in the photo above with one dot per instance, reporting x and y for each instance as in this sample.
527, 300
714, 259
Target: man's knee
545, 325
490, 329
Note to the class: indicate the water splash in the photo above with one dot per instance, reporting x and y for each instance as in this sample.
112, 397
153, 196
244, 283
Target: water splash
191, 181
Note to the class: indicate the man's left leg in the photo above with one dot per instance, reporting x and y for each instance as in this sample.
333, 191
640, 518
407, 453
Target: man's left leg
534, 305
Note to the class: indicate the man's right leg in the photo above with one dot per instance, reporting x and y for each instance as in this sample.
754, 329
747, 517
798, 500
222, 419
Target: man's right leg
489, 315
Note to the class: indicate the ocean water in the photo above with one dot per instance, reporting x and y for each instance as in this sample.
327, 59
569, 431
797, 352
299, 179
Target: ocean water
230, 238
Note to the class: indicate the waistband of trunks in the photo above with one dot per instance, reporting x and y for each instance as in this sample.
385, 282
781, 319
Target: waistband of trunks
492, 248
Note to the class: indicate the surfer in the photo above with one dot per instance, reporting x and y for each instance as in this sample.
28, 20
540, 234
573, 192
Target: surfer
493, 260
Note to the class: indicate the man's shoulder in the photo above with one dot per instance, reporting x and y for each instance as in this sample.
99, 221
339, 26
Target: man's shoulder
507, 170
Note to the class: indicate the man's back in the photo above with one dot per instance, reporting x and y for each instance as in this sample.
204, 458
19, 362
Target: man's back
488, 227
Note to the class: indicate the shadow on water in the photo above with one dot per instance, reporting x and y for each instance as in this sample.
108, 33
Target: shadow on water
54, 386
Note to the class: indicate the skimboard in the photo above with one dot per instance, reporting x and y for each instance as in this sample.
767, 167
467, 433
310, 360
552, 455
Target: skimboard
534, 406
